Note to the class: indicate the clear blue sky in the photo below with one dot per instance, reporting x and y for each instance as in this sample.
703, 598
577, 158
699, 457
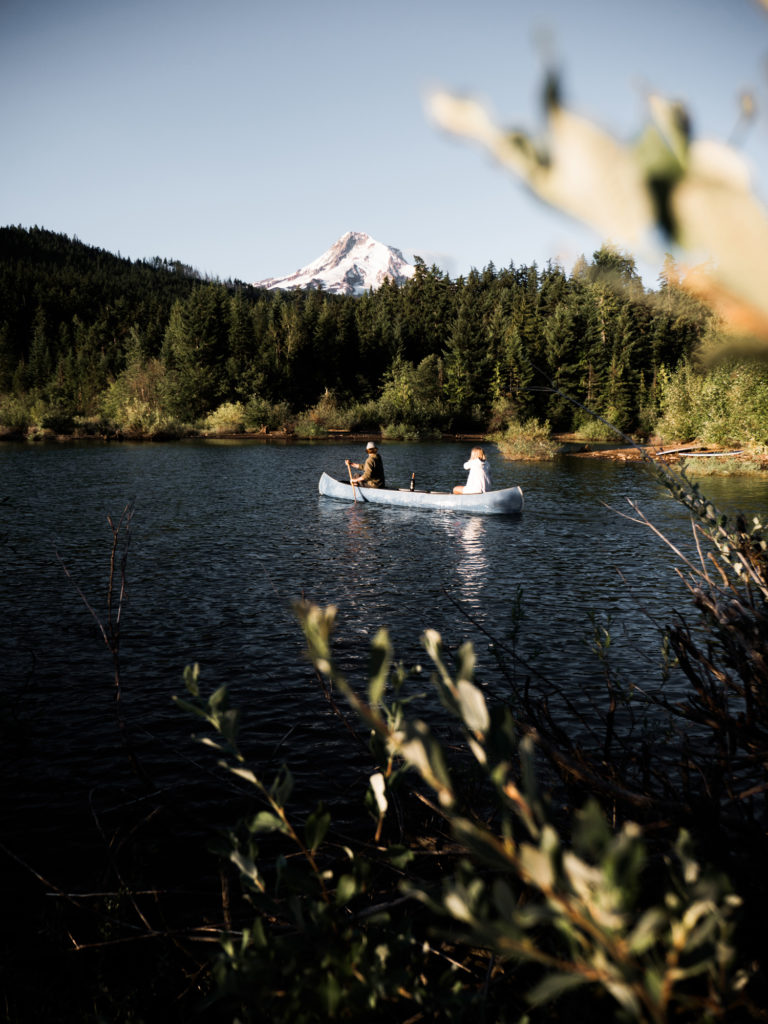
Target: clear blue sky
243, 137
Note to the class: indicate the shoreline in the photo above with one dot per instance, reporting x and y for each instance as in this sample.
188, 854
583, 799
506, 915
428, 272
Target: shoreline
573, 447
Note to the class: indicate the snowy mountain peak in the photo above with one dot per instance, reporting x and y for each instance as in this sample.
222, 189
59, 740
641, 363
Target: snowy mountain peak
353, 265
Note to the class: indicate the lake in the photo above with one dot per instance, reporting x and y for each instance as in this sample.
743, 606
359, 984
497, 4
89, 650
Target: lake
224, 537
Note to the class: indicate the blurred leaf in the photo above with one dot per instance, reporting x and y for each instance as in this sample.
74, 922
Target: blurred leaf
400, 856
420, 749
247, 774
192, 709
696, 192
228, 723
591, 835
505, 899
346, 889
458, 906
379, 790
282, 787
466, 660
474, 711
247, 867
553, 986
316, 828
378, 667
266, 823
191, 676
578, 167
483, 844
537, 866
218, 699
647, 932
626, 997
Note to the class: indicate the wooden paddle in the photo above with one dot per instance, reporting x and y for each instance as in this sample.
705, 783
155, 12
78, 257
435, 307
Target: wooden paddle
349, 469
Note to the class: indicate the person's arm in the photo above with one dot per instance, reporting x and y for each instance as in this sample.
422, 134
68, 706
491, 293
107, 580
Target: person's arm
350, 466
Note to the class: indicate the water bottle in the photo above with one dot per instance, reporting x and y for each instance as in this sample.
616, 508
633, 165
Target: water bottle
413, 481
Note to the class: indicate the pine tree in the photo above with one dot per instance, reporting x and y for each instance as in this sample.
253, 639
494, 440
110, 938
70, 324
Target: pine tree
195, 347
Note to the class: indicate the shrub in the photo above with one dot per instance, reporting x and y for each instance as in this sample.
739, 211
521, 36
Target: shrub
327, 414
135, 402
364, 417
724, 405
529, 440
229, 418
14, 414
409, 432
261, 414
592, 429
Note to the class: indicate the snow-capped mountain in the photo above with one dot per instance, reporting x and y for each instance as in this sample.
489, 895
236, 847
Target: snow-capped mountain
352, 266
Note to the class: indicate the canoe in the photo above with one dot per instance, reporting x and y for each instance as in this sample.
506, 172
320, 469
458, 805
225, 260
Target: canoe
508, 500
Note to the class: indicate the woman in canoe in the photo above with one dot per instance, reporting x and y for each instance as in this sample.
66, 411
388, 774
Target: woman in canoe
479, 479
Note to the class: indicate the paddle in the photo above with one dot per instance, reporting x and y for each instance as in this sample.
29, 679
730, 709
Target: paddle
349, 469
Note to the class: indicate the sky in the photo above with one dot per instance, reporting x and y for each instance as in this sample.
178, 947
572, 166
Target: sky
243, 138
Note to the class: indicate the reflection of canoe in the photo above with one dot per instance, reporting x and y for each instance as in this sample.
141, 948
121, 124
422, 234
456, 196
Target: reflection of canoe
508, 500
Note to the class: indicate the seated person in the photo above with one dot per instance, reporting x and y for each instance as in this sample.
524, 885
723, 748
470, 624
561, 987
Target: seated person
373, 469
479, 479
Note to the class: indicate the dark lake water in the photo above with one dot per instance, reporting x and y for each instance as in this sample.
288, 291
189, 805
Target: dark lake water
226, 535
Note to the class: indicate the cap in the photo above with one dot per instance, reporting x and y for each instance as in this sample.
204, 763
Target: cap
369, 446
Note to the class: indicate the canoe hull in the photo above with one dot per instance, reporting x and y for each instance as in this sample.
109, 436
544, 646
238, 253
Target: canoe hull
504, 502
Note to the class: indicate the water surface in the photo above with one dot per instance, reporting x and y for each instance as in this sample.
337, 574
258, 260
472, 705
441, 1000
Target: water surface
225, 536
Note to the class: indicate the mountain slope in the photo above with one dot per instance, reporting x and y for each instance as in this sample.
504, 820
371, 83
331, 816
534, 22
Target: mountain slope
353, 265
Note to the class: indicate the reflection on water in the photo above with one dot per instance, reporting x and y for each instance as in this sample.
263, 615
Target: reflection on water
472, 565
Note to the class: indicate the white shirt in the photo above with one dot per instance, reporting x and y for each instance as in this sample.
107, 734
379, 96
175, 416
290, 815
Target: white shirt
479, 479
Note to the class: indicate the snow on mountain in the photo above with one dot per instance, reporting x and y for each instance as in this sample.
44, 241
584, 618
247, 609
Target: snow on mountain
352, 266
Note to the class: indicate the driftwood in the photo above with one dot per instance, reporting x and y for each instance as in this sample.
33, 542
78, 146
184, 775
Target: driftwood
692, 454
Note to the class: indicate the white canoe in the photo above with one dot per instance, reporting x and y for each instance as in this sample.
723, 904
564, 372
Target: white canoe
507, 501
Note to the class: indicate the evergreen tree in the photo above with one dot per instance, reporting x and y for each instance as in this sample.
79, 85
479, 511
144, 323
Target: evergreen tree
40, 361
466, 360
195, 347
562, 361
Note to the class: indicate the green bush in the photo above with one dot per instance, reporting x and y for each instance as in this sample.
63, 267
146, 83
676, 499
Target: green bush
14, 414
228, 418
592, 429
327, 414
364, 417
724, 405
261, 414
409, 432
529, 440
135, 402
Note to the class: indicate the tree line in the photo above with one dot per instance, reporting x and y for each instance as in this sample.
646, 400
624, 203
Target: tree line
91, 337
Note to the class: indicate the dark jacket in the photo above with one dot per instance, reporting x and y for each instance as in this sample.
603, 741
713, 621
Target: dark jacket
373, 471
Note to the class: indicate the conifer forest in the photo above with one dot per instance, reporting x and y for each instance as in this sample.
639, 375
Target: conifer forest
92, 342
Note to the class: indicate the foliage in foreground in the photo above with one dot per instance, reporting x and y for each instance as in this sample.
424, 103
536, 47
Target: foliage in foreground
627, 909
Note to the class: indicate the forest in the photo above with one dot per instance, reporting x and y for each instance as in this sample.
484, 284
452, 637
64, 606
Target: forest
94, 343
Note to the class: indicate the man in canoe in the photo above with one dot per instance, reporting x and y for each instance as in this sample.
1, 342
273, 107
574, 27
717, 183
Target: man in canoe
373, 468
